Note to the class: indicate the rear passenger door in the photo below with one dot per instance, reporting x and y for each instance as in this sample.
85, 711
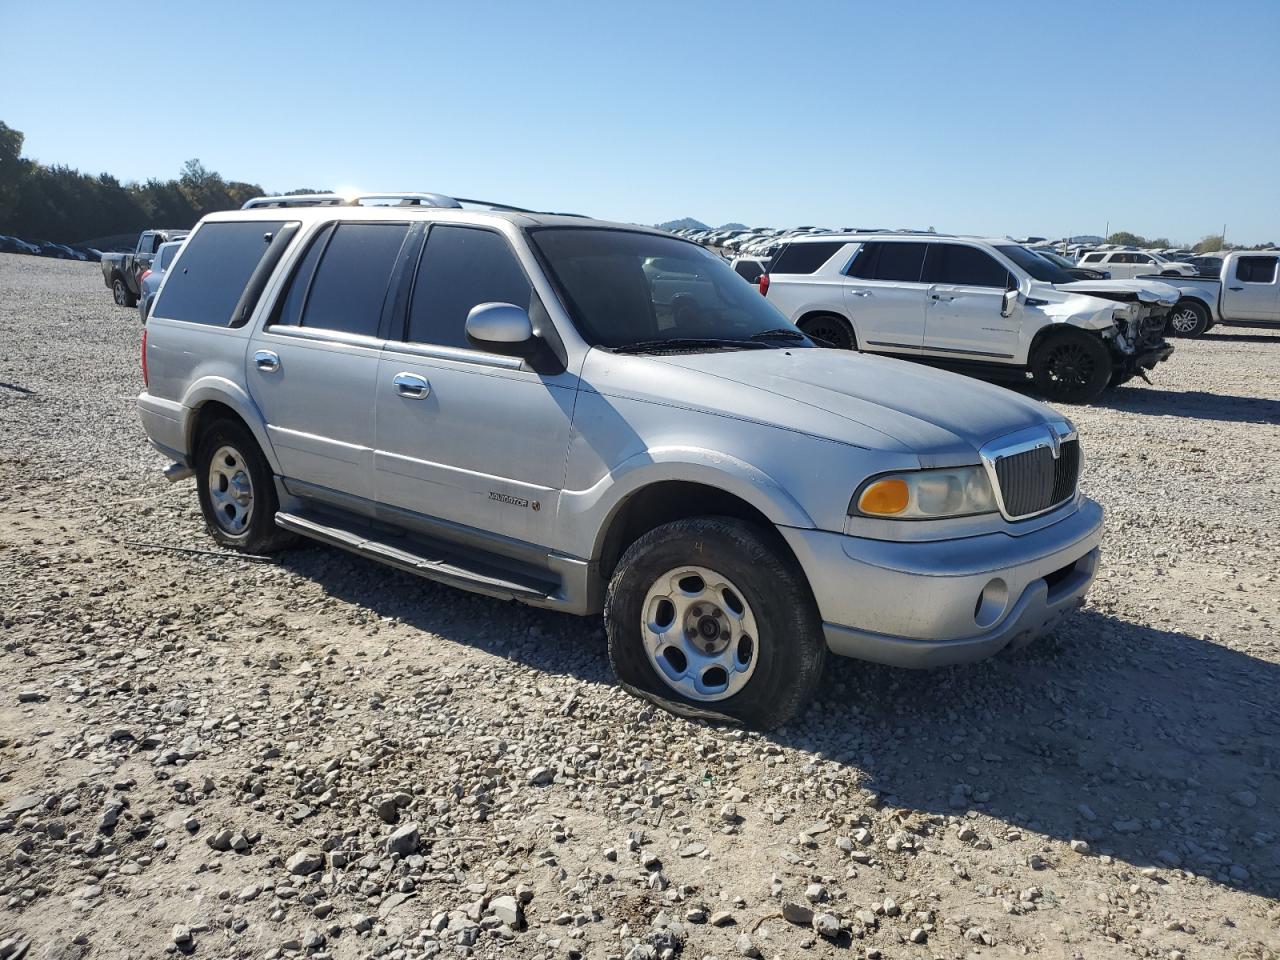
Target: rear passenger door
469, 443
966, 294
885, 298
312, 366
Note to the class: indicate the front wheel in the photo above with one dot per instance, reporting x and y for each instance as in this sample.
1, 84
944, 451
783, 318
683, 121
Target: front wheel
1072, 367
708, 617
1188, 319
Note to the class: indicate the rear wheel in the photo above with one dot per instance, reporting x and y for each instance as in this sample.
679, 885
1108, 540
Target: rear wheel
236, 489
1072, 367
121, 295
1188, 319
830, 330
707, 617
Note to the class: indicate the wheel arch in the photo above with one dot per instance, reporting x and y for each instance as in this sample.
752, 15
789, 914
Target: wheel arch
815, 314
214, 398
665, 501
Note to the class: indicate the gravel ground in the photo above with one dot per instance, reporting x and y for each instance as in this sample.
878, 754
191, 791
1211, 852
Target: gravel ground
203, 754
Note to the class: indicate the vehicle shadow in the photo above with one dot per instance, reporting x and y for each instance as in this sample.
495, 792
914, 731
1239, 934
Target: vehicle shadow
1240, 337
1154, 401
1154, 746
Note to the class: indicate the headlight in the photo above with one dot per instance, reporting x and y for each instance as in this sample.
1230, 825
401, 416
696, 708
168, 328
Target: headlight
925, 495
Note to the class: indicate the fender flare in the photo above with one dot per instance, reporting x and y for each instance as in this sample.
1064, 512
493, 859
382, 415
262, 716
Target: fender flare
710, 468
227, 392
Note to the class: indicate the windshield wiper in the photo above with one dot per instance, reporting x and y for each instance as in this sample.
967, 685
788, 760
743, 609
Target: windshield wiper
689, 343
781, 333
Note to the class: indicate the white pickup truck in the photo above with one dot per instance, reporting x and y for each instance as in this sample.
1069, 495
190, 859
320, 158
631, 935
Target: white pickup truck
1246, 294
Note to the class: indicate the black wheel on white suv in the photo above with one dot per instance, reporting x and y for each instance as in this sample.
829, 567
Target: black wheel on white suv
830, 330
1188, 319
1071, 366
708, 617
236, 490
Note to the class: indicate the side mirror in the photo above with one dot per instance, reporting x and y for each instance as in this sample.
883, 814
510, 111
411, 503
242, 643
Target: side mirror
501, 328
1010, 302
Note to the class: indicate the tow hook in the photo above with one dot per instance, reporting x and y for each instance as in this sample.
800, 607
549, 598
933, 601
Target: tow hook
1143, 374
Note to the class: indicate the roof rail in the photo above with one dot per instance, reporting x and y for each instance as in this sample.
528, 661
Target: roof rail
399, 200
352, 200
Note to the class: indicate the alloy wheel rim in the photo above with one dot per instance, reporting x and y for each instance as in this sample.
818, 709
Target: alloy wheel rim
699, 633
1184, 321
230, 490
828, 332
117, 290
1070, 366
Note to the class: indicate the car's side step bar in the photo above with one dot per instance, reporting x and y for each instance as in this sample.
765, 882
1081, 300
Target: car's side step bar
416, 555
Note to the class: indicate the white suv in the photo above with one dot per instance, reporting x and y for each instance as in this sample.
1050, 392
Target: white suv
1125, 264
986, 307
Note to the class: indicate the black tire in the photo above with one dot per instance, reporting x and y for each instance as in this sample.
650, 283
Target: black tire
789, 652
1072, 366
1188, 318
259, 533
120, 293
827, 329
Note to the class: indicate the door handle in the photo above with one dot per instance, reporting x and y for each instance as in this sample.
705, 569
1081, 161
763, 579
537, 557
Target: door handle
1237, 289
267, 360
411, 385
859, 293
935, 296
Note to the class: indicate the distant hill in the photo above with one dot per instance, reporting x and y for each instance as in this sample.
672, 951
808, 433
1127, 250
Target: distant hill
732, 226
684, 223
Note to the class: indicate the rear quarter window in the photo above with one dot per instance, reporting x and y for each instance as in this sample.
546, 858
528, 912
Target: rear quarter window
804, 257
217, 262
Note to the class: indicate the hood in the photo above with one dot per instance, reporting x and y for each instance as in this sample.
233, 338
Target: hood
1126, 291
853, 398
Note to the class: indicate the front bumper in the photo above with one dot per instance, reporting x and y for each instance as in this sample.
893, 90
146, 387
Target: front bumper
1148, 358
926, 604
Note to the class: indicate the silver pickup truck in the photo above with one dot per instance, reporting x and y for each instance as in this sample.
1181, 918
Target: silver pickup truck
600, 418
1247, 294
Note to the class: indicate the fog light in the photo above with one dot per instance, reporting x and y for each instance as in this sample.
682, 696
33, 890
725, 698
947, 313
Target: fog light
991, 603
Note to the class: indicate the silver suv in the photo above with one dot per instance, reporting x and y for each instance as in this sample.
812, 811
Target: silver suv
593, 417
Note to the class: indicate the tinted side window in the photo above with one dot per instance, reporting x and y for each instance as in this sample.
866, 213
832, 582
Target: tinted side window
1257, 269
1093, 258
288, 310
460, 268
217, 262
166, 257
749, 270
968, 266
804, 257
902, 262
351, 282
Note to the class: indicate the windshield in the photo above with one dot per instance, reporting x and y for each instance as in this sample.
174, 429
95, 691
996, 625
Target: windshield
1036, 265
1160, 258
624, 288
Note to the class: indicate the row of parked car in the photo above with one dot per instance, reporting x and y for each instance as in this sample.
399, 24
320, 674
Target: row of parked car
47, 248
996, 308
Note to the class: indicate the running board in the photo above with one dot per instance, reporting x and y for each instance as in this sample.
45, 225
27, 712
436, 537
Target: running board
431, 559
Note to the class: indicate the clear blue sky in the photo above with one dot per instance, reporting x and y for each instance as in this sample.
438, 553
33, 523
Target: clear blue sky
1033, 117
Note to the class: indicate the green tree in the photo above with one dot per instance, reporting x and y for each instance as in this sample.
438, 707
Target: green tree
1124, 238
1209, 244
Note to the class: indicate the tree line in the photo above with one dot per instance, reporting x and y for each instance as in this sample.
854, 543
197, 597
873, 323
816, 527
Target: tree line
39, 202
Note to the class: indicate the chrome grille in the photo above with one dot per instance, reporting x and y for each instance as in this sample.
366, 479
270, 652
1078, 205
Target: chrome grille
1032, 481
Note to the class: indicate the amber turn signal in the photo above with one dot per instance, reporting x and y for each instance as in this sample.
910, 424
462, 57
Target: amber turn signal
885, 497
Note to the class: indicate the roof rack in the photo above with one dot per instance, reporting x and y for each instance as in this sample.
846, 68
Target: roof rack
351, 200
397, 199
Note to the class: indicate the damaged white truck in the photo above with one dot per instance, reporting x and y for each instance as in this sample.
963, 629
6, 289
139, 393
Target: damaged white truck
991, 308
